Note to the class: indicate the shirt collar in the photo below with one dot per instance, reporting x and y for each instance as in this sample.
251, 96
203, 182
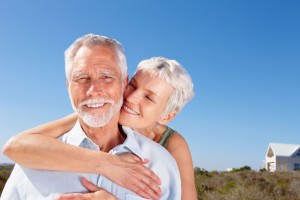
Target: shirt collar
77, 137
130, 144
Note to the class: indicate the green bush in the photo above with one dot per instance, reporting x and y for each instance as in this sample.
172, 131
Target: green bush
245, 168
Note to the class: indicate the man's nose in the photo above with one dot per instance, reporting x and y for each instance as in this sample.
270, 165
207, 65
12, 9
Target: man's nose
95, 89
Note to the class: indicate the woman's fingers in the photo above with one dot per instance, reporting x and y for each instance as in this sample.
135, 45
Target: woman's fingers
74, 196
89, 185
94, 194
128, 170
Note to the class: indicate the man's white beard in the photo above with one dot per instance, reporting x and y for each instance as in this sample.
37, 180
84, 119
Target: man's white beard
98, 120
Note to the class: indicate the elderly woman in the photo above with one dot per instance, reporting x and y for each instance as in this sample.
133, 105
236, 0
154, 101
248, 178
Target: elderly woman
154, 96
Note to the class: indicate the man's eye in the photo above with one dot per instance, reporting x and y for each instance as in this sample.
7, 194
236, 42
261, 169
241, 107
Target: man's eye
82, 79
107, 78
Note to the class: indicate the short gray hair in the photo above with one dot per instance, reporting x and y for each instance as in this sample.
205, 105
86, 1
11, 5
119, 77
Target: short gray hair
91, 40
175, 75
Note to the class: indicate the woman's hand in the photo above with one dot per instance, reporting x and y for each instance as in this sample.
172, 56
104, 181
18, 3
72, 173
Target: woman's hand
128, 170
95, 193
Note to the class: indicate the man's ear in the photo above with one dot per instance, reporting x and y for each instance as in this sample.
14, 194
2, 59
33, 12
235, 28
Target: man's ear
168, 118
67, 84
125, 82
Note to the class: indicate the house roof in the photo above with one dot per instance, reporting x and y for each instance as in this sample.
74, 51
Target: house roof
283, 149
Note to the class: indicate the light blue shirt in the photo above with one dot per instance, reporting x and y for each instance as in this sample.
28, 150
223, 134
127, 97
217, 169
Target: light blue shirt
29, 184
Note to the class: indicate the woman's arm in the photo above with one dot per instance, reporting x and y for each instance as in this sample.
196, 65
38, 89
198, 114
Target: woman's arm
179, 149
37, 148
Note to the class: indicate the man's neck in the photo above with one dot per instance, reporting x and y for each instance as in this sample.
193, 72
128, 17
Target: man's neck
106, 137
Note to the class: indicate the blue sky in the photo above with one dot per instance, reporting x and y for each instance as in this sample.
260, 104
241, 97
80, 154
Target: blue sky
243, 56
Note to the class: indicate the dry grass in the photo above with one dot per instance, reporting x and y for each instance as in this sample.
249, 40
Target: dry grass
247, 185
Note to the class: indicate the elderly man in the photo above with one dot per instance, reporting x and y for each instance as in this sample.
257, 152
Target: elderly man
96, 77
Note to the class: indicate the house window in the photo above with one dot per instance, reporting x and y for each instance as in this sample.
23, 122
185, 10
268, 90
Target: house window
281, 166
296, 166
297, 154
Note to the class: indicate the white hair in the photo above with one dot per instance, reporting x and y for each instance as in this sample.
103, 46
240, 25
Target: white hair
175, 75
91, 40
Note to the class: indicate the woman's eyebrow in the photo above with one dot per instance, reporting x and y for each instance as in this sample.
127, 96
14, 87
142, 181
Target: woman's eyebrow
133, 80
151, 92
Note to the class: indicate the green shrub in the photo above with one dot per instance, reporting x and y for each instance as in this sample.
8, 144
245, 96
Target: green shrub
245, 168
227, 187
262, 170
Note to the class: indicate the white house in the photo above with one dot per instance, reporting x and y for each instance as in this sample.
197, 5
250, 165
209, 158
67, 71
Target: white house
283, 157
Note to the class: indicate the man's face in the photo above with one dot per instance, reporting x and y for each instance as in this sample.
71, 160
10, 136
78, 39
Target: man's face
95, 86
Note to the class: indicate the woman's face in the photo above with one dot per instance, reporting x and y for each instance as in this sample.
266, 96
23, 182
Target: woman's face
145, 99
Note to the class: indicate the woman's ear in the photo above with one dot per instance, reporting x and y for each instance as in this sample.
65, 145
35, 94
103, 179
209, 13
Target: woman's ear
126, 79
168, 118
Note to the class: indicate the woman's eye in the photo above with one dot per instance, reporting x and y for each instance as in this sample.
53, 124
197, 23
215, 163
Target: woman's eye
131, 85
149, 98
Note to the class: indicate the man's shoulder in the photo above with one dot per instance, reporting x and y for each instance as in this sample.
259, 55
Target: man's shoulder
144, 141
149, 147
150, 143
162, 164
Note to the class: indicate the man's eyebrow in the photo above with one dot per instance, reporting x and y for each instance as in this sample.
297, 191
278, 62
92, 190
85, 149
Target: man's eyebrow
99, 73
106, 72
78, 73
